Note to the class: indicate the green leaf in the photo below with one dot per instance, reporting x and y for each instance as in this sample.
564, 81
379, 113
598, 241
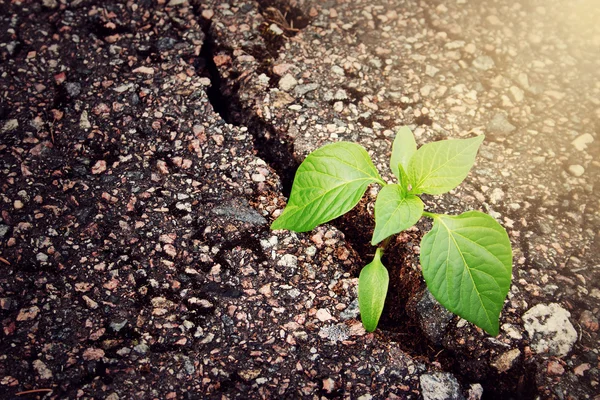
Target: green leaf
438, 167
372, 289
328, 183
467, 263
395, 211
402, 150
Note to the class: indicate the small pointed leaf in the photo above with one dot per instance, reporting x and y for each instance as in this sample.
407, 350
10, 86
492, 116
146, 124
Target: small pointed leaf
402, 150
395, 211
328, 183
467, 264
372, 289
439, 167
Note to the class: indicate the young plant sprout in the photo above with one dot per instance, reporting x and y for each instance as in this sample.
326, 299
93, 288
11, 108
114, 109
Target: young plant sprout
466, 259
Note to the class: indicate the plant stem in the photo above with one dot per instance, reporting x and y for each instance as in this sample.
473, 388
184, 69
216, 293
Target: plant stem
430, 215
385, 243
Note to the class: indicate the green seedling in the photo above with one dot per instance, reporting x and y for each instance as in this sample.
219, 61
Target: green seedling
466, 259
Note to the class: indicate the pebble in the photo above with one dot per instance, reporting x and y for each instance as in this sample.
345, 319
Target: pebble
42, 370
517, 94
84, 122
301, 90
27, 314
506, 360
287, 83
41, 257
73, 89
576, 170
99, 167
550, 330
10, 125
582, 141
440, 386
500, 125
484, 63
288, 260
18, 204
323, 315
555, 368
431, 71
93, 354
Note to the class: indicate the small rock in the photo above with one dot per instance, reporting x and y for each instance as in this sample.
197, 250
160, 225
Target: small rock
500, 126
141, 348
50, 4
117, 326
73, 89
484, 63
505, 361
249, 374
90, 303
281, 69
440, 386
323, 315
301, 90
276, 29
549, 329
555, 368
433, 318
93, 354
99, 167
288, 260
27, 314
582, 141
589, 321
162, 167
576, 170
144, 70
18, 204
475, 391
84, 122
41, 257
431, 71
580, 369
517, 94
208, 14
10, 125
287, 82
42, 370
335, 333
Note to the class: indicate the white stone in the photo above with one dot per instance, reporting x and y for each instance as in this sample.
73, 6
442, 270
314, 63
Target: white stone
484, 63
576, 170
10, 125
439, 386
287, 82
582, 141
549, 329
288, 260
42, 370
517, 94
430, 70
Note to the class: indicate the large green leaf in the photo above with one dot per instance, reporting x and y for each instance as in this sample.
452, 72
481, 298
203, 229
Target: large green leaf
467, 262
439, 167
395, 211
402, 150
328, 183
372, 289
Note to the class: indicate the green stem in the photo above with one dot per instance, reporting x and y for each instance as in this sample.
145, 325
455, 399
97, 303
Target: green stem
382, 182
378, 254
430, 215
